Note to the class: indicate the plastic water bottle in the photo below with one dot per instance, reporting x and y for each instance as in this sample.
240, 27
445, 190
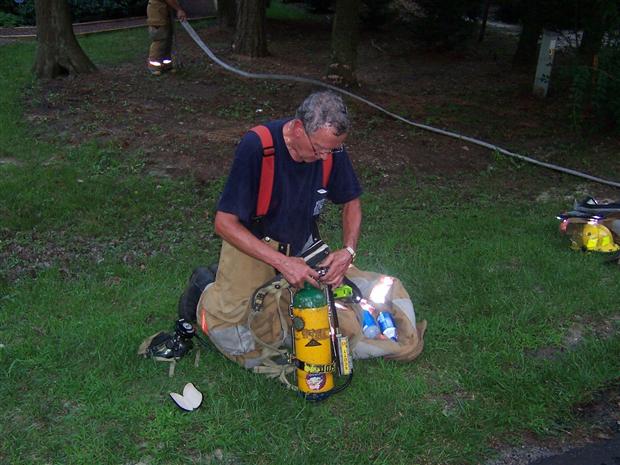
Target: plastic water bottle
369, 325
387, 325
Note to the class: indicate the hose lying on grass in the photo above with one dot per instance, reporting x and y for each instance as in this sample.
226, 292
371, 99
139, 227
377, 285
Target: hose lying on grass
282, 77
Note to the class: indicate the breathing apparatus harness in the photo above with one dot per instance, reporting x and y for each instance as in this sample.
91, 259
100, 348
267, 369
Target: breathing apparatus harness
268, 170
319, 350
308, 373
267, 175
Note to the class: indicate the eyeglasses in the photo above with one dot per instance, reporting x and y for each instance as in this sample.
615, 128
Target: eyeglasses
318, 150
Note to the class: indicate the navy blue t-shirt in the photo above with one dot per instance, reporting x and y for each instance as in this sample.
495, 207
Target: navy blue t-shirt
298, 193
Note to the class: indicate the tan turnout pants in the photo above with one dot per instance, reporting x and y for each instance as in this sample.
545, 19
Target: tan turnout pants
161, 43
223, 309
224, 313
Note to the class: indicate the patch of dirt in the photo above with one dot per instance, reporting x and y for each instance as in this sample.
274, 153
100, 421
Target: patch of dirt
187, 124
44, 251
598, 434
575, 334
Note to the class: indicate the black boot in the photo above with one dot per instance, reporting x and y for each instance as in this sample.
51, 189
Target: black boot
200, 278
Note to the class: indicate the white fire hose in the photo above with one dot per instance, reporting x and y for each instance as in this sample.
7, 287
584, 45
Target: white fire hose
282, 77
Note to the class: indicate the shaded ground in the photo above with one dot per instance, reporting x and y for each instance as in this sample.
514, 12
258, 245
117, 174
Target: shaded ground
595, 454
187, 124
595, 444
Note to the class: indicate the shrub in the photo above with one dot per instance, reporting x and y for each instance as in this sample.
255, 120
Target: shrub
595, 93
9, 20
92, 10
8, 6
81, 10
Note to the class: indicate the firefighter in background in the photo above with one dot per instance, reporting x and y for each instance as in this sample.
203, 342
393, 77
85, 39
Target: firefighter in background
160, 23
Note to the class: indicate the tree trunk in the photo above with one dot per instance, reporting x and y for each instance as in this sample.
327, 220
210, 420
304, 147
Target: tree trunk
345, 37
250, 36
527, 49
58, 52
590, 45
596, 23
227, 14
485, 18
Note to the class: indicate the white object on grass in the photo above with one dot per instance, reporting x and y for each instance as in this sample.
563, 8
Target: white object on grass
190, 400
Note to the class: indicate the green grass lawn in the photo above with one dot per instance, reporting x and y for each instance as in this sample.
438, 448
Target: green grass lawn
489, 272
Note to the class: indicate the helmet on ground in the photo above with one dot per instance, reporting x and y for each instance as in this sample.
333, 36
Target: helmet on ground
591, 236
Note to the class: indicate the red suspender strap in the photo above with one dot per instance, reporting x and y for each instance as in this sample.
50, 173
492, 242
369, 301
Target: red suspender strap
327, 169
265, 188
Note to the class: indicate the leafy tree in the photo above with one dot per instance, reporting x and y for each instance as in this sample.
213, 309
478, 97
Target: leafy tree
58, 52
485, 18
594, 17
598, 18
595, 96
250, 35
531, 27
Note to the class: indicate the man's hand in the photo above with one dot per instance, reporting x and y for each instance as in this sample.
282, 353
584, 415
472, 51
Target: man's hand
297, 272
181, 15
338, 263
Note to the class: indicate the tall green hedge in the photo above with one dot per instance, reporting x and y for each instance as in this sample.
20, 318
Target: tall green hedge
18, 14
596, 92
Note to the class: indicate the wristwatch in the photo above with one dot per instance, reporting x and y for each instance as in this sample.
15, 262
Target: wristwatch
352, 252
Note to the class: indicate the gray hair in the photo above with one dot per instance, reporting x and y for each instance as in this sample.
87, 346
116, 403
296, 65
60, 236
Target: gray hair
324, 109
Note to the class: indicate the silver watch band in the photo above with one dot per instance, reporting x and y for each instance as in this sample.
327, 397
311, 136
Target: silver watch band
351, 251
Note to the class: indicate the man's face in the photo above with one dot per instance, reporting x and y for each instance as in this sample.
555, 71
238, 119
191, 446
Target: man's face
320, 144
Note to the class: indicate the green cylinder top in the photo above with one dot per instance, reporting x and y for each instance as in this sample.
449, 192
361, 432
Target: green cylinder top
309, 297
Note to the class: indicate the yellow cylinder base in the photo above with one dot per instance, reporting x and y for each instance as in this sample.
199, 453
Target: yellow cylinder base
313, 347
